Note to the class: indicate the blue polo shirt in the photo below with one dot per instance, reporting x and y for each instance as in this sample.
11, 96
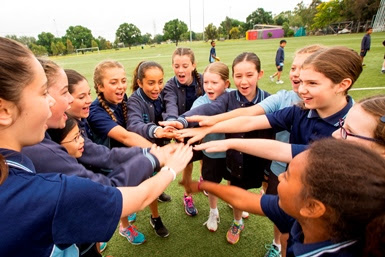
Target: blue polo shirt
306, 125
295, 245
46, 214
101, 122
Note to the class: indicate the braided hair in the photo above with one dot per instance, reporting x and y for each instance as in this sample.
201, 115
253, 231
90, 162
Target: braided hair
98, 81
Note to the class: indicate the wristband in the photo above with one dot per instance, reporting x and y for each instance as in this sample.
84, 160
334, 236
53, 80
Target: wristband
199, 185
158, 127
171, 170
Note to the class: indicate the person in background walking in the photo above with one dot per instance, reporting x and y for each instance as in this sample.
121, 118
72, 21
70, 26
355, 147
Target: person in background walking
365, 44
279, 60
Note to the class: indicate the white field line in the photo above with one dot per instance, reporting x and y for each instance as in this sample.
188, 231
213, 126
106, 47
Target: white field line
366, 88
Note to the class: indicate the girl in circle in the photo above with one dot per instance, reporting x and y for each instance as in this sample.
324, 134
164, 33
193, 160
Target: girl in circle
330, 201
179, 94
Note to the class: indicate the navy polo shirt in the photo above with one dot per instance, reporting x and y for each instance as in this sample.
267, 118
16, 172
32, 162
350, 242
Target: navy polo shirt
101, 122
45, 214
306, 125
295, 245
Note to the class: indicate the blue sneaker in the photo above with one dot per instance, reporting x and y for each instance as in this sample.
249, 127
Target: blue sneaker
132, 217
102, 246
132, 234
189, 206
272, 251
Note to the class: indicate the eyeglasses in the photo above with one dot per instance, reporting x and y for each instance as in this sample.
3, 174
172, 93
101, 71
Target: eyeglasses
75, 139
345, 134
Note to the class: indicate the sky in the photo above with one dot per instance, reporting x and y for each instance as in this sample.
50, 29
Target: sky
30, 18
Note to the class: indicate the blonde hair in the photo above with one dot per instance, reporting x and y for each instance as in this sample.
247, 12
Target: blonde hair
219, 68
98, 81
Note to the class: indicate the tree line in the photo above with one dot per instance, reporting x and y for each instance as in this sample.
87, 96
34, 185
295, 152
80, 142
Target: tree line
317, 15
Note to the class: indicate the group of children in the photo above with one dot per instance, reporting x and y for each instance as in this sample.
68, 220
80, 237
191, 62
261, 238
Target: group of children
324, 204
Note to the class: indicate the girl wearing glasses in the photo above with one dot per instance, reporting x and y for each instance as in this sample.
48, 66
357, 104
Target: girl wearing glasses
365, 124
330, 200
69, 137
46, 214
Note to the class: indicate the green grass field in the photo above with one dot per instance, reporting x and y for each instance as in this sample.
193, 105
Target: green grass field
188, 237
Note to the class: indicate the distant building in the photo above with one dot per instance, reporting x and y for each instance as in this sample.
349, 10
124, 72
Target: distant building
263, 31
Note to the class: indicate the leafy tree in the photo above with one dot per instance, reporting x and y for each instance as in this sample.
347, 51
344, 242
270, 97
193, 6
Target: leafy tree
235, 33
54, 48
70, 47
128, 34
282, 17
228, 24
361, 10
211, 32
259, 16
61, 48
80, 36
328, 12
28, 41
94, 43
13, 37
45, 39
146, 38
158, 38
174, 29
304, 16
103, 43
38, 50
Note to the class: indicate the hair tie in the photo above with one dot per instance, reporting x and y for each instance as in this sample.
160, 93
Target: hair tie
382, 119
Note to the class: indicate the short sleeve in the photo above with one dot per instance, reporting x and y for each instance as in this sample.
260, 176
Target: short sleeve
86, 211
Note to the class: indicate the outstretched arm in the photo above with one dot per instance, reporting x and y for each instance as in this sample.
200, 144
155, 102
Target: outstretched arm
235, 125
264, 148
128, 138
239, 198
212, 120
150, 189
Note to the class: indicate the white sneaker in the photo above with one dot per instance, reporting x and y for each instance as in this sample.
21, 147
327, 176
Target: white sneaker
271, 78
279, 82
212, 222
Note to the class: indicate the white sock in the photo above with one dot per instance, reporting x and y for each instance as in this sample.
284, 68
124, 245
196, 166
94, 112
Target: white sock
215, 211
277, 245
240, 222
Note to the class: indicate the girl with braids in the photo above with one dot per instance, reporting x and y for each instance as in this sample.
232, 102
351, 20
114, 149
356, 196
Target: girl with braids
244, 170
108, 113
331, 200
46, 214
179, 94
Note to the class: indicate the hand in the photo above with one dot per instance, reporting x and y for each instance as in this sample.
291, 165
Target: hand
171, 123
203, 120
161, 153
166, 132
179, 158
196, 134
213, 146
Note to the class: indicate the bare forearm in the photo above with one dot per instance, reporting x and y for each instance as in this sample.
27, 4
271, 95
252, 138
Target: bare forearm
264, 148
241, 124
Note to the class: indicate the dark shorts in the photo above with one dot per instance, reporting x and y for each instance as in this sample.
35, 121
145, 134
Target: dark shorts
363, 53
272, 184
213, 170
251, 179
279, 68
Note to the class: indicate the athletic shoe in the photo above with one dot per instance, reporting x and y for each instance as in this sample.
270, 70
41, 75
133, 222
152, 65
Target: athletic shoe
212, 222
132, 217
132, 234
245, 214
271, 78
164, 198
204, 192
189, 206
363, 64
158, 226
234, 233
279, 82
272, 251
102, 246
383, 71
